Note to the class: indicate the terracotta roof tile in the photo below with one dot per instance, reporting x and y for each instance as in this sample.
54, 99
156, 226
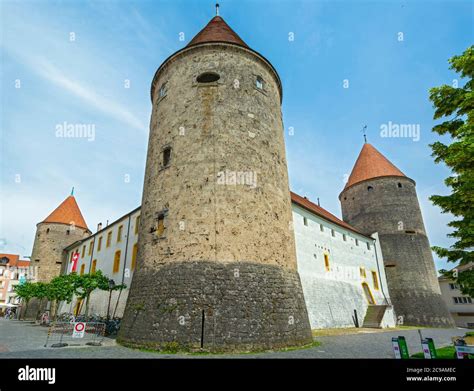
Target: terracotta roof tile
217, 30
67, 213
316, 209
12, 257
371, 164
15, 260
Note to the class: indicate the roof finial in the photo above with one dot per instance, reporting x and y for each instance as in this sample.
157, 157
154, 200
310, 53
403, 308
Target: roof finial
217, 9
365, 135
72, 191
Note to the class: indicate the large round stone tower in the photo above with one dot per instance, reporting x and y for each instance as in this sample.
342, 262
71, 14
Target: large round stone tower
378, 197
64, 226
216, 255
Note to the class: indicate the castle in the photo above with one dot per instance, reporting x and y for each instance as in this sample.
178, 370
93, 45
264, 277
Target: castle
222, 254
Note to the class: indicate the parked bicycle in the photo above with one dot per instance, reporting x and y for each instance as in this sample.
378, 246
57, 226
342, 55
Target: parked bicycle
112, 326
66, 317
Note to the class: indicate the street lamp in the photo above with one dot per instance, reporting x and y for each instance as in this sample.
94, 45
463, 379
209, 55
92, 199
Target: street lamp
111, 288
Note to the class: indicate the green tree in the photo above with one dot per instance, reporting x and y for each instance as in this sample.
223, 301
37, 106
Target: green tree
455, 104
41, 292
62, 288
25, 292
87, 283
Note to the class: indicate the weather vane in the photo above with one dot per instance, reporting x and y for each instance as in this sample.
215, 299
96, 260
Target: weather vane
364, 132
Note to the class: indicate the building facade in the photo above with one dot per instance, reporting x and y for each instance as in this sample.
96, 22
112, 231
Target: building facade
460, 306
341, 271
13, 271
113, 250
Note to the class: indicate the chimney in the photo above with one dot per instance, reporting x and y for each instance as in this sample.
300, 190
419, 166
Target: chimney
99, 227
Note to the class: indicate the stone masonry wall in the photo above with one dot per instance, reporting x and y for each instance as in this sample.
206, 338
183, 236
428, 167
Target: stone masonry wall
216, 131
50, 241
390, 207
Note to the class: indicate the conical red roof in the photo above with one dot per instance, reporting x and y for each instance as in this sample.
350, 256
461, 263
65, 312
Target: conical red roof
67, 213
371, 164
217, 30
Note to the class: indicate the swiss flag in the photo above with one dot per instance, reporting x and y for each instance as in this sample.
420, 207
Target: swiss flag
74, 260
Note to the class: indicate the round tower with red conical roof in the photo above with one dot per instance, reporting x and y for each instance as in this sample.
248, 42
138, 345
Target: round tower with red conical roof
64, 226
216, 264
378, 197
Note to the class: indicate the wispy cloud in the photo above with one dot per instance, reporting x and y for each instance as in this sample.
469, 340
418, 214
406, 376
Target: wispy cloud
45, 69
115, 110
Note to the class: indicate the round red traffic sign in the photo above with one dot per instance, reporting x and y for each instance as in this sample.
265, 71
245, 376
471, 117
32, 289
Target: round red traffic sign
79, 327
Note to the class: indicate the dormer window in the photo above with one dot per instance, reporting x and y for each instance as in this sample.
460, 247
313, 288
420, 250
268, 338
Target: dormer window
259, 83
162, 91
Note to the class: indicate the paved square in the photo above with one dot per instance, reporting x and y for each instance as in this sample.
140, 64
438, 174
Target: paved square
20, 339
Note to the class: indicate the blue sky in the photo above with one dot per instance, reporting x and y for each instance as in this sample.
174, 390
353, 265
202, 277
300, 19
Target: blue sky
389, 52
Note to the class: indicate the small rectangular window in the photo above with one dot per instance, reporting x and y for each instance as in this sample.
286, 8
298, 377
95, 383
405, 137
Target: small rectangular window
99, 244
357, 242
94, 265
109, 239
90, 247
305, 221
161, 225
166, 156
134, 255
326, 262
321, 227
82, 269
116, 262
455, 300
333, 233
368, 246
259, 83
362, 272
119, 234
83, 251
375, 280
344, 237
137, 222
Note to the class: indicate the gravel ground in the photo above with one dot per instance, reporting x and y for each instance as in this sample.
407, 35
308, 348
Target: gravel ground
26, 340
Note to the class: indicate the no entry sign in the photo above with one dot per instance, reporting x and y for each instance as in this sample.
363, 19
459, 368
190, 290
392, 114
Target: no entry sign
79, 330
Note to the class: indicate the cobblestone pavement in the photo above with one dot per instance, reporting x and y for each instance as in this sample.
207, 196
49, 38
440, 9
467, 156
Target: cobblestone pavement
25, 340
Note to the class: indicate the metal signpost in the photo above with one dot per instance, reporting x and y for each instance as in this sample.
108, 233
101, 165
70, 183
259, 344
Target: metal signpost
429, 350
395, 347
463, 351
79, 330
402, 344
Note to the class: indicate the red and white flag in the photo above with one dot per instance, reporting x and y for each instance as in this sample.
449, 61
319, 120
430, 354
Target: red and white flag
74, 260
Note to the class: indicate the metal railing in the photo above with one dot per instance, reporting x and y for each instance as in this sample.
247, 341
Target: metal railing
61, 334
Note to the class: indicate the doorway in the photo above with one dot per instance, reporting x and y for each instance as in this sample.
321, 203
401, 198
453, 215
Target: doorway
368, 293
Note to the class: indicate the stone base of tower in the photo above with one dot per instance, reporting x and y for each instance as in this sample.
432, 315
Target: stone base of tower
216, 307
420, 308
